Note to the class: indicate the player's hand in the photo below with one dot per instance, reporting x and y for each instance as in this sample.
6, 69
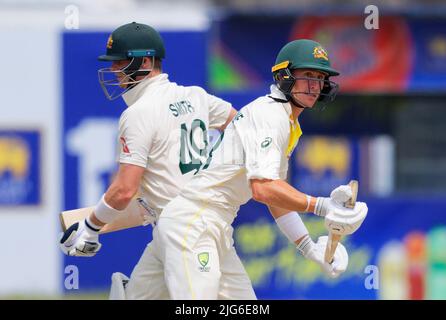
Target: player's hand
80, 240
322, 206
316, 252
344, 221
340, 195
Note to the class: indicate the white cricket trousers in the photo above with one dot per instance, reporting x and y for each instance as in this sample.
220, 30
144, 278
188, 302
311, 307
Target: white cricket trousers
191, 256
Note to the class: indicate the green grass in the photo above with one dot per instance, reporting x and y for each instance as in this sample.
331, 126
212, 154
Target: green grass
71, 296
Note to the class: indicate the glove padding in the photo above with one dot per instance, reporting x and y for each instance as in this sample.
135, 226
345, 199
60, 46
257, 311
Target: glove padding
344, 221
316, 252
80, 240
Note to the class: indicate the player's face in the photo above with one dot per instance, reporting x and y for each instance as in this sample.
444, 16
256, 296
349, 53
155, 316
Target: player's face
307, 90
119, 65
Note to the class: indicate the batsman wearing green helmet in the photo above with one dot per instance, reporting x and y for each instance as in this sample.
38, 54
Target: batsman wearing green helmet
307, 61
135, 49
163, 142
194, 231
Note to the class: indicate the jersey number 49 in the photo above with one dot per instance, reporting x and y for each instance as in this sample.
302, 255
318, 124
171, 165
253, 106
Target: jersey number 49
194, 144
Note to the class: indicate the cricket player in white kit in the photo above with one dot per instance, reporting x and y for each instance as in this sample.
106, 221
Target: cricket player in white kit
163, 142
193, 238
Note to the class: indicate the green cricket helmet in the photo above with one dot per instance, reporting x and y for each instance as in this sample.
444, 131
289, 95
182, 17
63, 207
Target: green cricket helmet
132, 42
304, 54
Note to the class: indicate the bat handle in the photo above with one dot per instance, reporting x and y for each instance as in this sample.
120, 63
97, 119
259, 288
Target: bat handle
332, 243
333, 239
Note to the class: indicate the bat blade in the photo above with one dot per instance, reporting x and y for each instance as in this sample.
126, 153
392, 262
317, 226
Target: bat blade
70, 217
130, 218
333, 239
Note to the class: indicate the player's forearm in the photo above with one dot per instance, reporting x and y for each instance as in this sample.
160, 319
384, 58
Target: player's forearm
123, 188
231, 116
117, 198
278, 193
300, 230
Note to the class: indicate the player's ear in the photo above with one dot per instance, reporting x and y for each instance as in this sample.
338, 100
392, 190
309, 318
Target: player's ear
146, 63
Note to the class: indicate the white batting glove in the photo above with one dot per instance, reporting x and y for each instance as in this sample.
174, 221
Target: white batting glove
341, 194
322, 206
80, 240
316, 252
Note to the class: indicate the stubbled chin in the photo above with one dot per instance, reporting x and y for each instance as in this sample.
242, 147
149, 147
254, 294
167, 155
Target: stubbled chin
310, 102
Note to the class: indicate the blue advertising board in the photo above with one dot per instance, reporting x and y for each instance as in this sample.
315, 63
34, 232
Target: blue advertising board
20, 167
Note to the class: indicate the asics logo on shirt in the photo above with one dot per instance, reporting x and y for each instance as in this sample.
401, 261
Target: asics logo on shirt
266, 142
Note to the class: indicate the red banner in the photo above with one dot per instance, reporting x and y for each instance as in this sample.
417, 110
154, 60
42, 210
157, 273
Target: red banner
369, 60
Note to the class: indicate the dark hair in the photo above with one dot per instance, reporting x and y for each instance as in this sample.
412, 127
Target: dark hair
158, 64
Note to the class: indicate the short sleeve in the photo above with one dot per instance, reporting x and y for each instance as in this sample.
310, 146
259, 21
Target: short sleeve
264, 143
219, 111
135, 138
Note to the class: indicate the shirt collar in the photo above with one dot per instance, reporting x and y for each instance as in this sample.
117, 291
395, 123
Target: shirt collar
131, 96
277, 94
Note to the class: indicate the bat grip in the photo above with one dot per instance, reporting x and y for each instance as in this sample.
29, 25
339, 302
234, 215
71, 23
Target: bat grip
332, 243
333, 239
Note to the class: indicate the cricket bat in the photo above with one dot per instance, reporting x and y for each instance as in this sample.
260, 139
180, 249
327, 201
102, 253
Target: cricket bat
333, 239
135, 215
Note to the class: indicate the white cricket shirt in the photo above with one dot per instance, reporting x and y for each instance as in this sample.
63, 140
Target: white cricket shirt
164, 130
256, 145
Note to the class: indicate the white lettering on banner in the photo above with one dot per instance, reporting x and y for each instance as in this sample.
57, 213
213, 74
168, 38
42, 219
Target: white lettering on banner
72, 20
372, 20
94, 143
72, 280
372, 280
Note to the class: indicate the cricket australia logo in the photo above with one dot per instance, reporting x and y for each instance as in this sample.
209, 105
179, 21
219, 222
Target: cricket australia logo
320, 53
109, 42
203, 258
